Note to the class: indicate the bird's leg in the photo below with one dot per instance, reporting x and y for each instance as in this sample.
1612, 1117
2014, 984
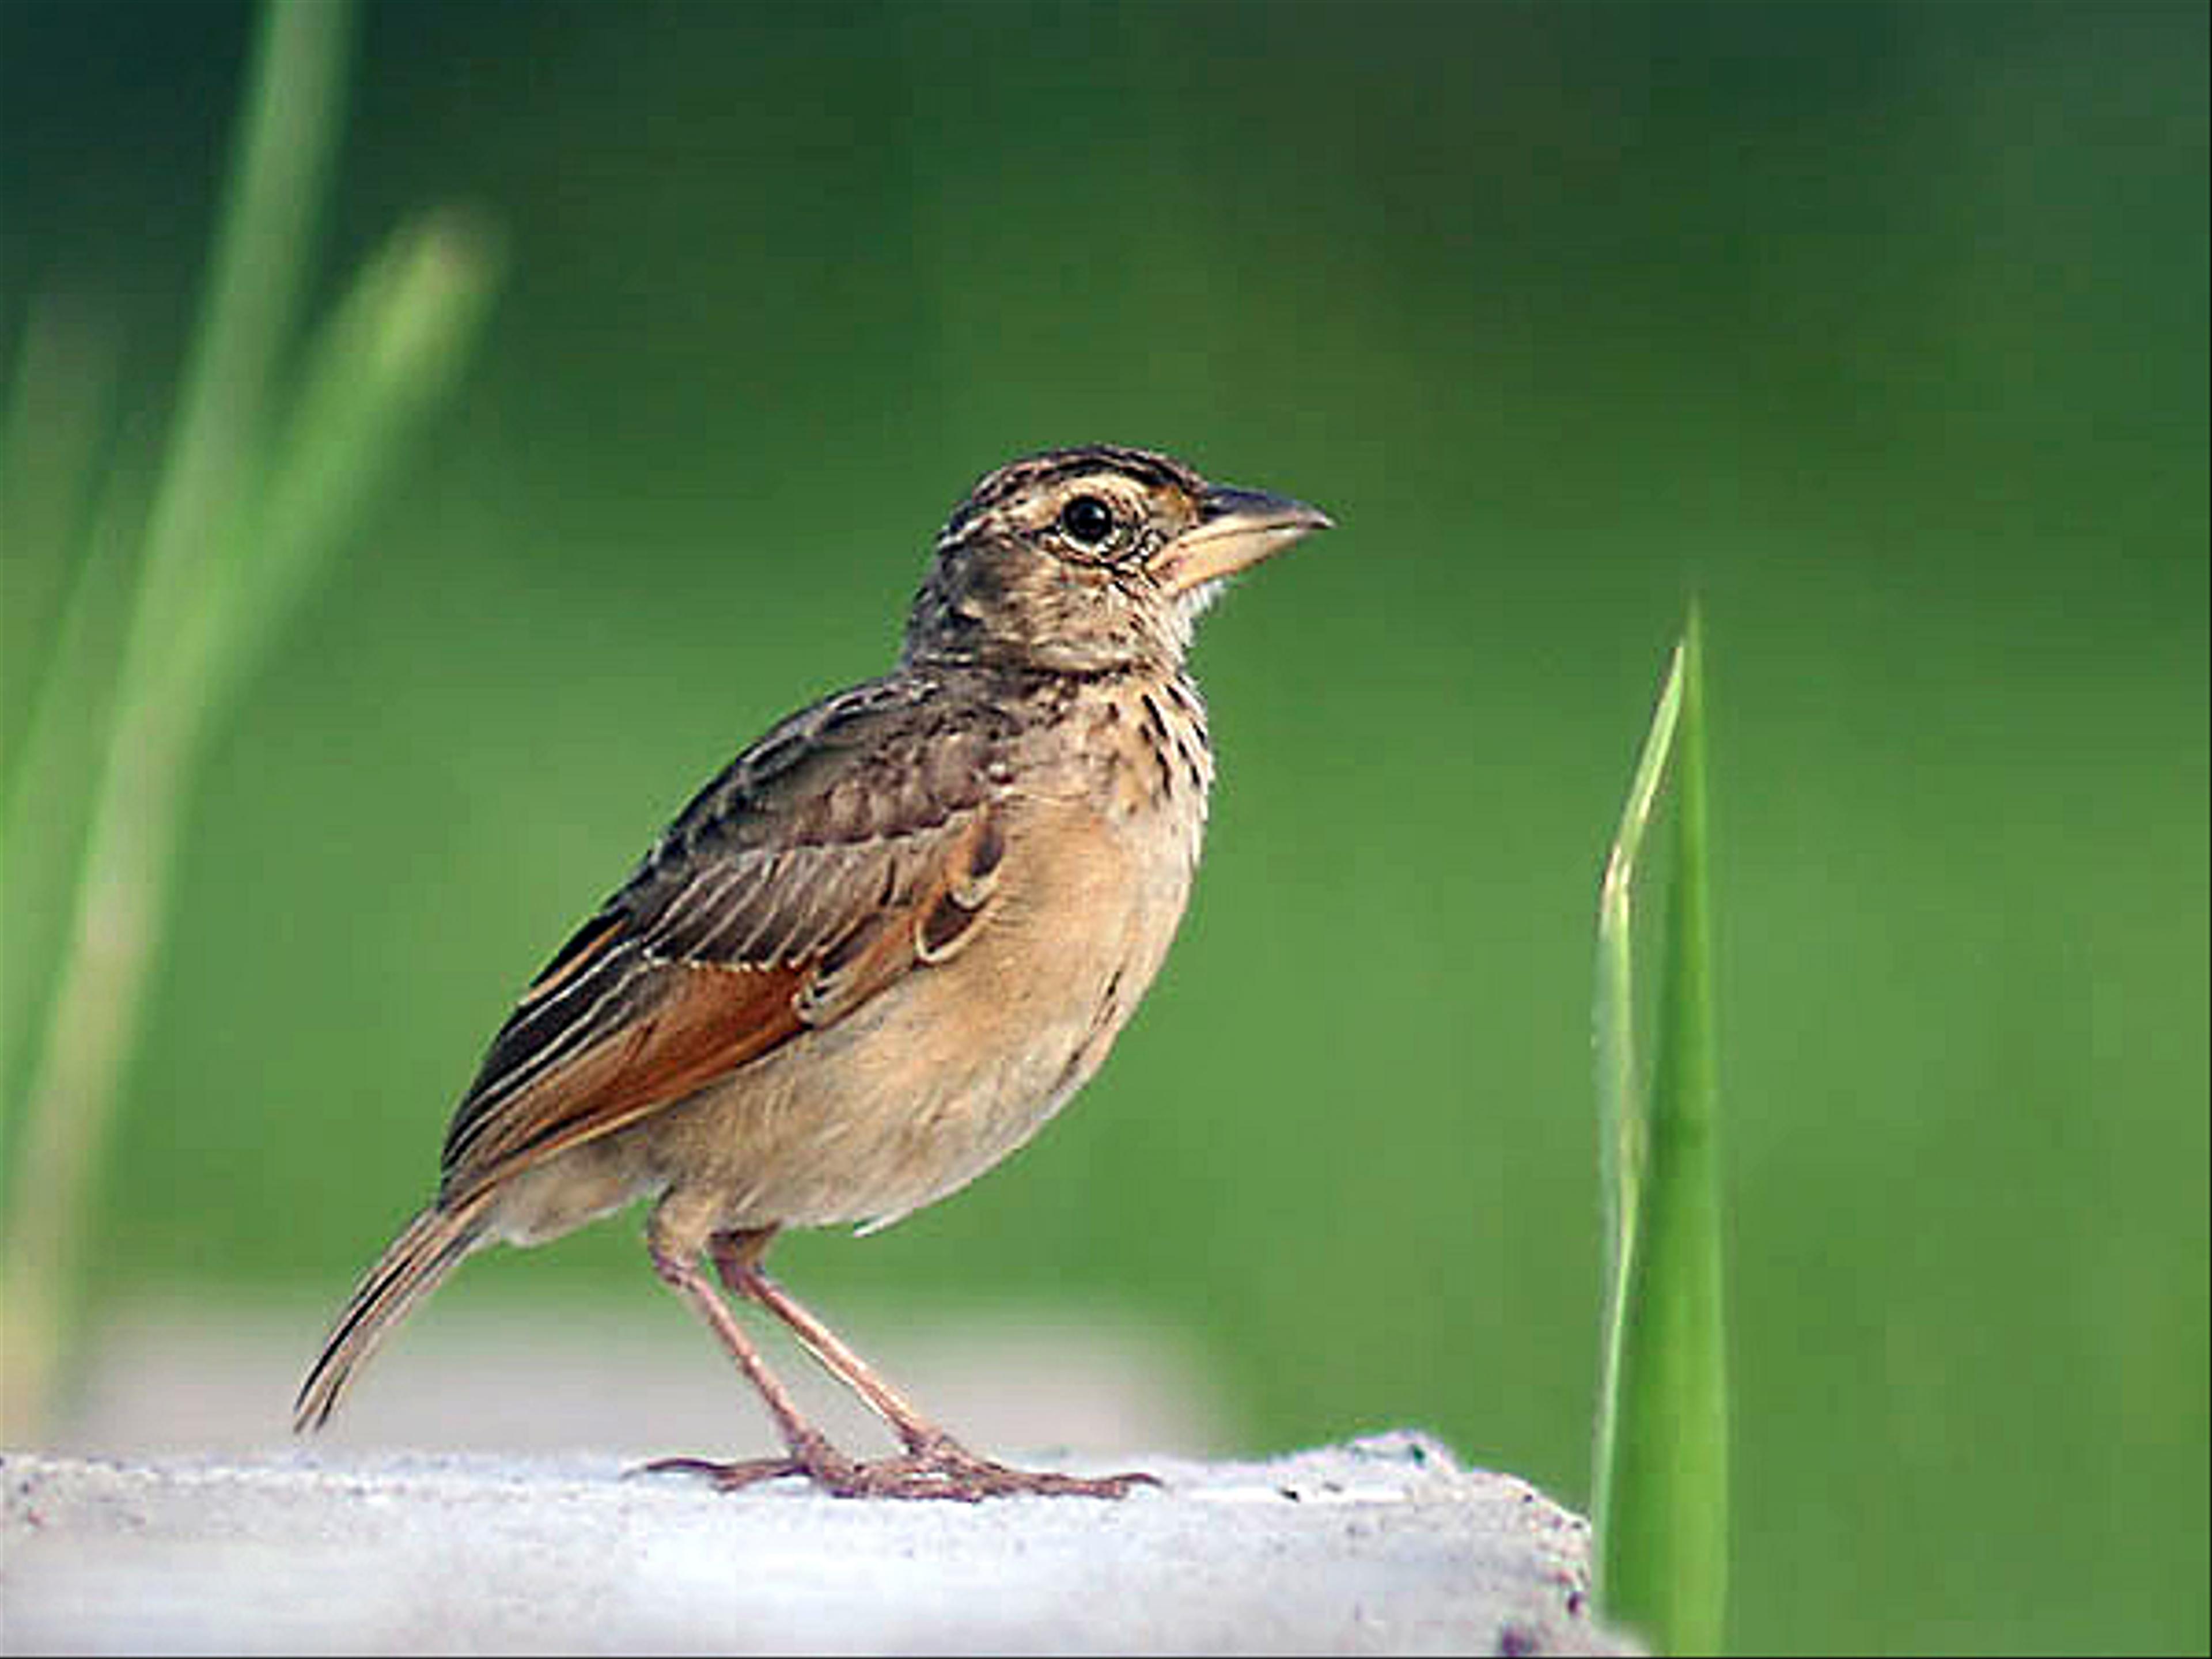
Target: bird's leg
736, 1258
809, 1453
935, 1465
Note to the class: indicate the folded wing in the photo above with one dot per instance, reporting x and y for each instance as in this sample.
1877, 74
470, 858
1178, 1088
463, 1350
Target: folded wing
786, 895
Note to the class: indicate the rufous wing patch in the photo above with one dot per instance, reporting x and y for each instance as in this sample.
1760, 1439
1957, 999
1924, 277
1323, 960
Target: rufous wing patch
618, 1026
698, 1023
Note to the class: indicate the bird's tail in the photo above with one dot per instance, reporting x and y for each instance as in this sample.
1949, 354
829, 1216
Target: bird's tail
413, 1265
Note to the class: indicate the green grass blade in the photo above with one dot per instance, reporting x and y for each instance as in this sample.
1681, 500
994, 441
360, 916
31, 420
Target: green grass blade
1621, 1124
288, 134
63, 568
246, 512
248, 318
1661, 1476
390, 352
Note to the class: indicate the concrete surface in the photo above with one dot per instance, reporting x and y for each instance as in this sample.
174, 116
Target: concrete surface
1383, 1546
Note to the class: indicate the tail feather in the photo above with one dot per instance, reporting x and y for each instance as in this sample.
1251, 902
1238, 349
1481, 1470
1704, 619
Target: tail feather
413, 1265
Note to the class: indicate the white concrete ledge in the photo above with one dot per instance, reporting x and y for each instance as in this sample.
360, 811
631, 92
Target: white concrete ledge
1384, 1546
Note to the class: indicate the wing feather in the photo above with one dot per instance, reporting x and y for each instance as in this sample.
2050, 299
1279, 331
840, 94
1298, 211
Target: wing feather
733, 940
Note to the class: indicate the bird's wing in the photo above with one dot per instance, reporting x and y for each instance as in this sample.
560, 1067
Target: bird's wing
855, 843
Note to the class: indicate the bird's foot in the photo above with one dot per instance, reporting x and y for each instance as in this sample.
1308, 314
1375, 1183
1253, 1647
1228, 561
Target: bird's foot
938, 1468
941, 1467
811, 1456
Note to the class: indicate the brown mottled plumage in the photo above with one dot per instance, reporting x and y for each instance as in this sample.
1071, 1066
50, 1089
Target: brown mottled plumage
878, 952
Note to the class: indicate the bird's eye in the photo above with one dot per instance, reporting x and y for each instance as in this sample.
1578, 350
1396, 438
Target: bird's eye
1087, 519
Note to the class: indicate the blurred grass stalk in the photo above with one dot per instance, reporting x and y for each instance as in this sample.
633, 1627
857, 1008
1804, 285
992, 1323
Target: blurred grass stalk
251, 502
1662, 1433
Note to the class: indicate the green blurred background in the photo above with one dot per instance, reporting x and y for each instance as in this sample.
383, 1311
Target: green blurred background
1882, 329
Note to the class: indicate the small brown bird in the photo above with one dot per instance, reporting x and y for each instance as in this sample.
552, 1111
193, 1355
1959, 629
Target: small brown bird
877, 953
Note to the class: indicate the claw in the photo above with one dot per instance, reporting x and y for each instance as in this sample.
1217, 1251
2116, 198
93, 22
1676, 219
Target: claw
810, 1456
728, 1477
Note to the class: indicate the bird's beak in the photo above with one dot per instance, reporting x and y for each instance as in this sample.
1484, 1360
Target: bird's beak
1236, 528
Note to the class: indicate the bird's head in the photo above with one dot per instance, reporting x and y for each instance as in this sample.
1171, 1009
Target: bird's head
1090, 560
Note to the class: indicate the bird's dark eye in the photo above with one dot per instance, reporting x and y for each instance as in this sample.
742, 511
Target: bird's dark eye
1087, 519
